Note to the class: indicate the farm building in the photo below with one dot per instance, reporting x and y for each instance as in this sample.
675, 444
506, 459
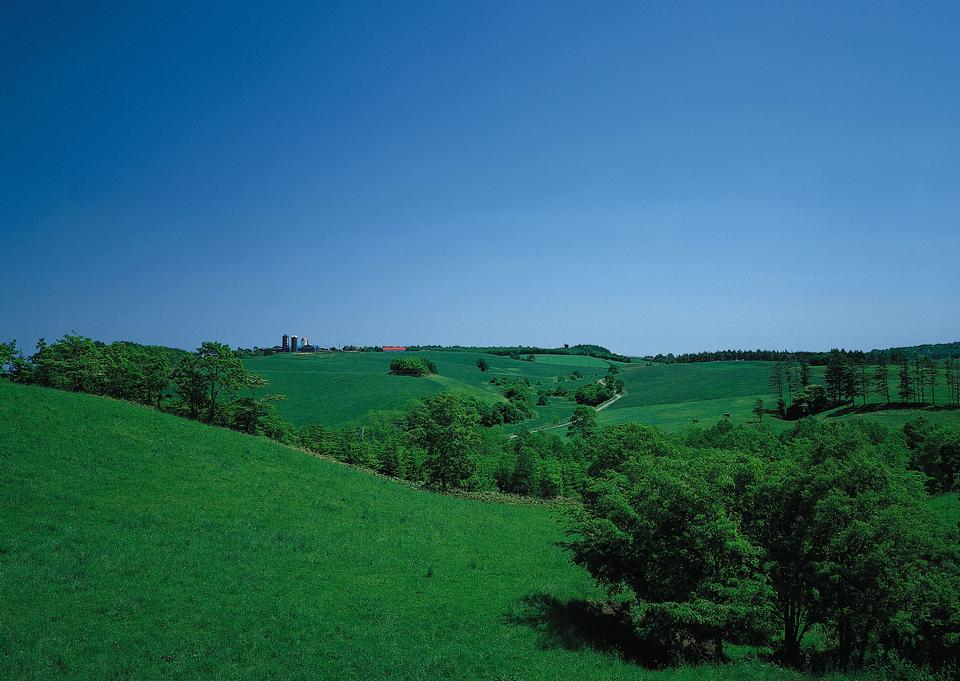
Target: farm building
394, 348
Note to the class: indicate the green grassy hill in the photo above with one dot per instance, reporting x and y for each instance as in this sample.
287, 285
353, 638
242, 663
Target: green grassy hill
671, 396
339, 388
344, 387
137, 544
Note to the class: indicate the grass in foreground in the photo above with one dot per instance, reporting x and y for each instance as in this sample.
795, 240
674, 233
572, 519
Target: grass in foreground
136, 544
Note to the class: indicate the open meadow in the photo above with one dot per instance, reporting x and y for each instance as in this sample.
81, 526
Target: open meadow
344, 387
334, 389
137, 544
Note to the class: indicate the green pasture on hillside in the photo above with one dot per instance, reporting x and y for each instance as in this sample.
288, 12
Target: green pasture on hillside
338, 388
135, 544
576, 361
344, 387
671, 396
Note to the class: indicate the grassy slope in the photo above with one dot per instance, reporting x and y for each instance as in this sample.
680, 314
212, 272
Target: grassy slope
338, 388
672, 395
136, 544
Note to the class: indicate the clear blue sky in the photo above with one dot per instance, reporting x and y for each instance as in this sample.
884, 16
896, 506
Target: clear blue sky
648, 176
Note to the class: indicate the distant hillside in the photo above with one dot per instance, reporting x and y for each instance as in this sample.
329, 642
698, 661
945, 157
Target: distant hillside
932, 351
524, 350
345, 387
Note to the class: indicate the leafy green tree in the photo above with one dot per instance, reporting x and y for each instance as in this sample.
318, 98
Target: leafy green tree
612, 447
905, 387
881, 379
777, 379
9, 356
260, 417
524, 479
156, 375
412, 366
758, 409
931, 377
550, 479
221, 371
835, 375
935, 451
861, 379
254, 382
191, 385
841, 525
393, 459
812, 399
482, 364
72, 363
594, 394
446, 426
583, 422
659, 534
951, 380
315, 438
791, 380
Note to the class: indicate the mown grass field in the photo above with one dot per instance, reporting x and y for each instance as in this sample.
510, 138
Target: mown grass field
344, 387
135, 544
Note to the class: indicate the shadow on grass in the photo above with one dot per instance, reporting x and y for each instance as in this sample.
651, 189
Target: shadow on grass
577, 624
892, 406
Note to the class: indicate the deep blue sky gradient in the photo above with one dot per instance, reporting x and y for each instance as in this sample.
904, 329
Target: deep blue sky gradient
648, 176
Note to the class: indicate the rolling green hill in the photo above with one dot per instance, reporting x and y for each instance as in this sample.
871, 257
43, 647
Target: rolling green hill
344, 387
139, 545
339, 388
671, 396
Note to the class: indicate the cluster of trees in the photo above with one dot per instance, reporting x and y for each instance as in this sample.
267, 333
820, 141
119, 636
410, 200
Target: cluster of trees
733, 535
210, 384
937, 351
595, 394
444, 442
796, 395
737, 356
516, 351
122, 370
849, 376
517, 407
412, 366
935, 452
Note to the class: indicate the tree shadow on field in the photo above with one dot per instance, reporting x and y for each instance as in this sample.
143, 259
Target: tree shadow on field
578, 624
892, 406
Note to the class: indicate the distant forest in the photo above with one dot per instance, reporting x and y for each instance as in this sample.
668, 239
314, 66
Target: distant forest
516, 351
927, 351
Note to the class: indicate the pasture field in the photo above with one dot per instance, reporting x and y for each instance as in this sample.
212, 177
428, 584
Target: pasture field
136, 544
344, 387
671, 396
339, 388
577, 361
